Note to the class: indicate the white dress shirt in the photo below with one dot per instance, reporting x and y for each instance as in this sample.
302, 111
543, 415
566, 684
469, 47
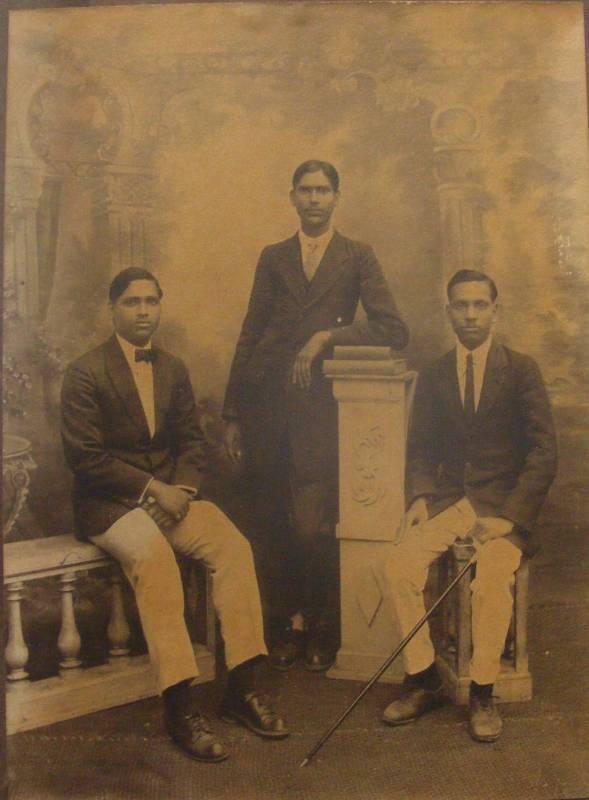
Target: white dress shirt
312, 251
142, 372
479, 362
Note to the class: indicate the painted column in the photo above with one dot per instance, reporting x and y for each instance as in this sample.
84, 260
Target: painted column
24, 181
461, 195
123, 204
373, 392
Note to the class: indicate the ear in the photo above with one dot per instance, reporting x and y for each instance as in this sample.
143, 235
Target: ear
292, 197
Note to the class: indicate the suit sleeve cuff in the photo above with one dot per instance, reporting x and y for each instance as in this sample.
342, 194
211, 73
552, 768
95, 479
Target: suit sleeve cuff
143, 495
191, 490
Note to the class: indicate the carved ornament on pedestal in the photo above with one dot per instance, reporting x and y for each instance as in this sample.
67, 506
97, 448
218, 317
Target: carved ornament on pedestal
368, 485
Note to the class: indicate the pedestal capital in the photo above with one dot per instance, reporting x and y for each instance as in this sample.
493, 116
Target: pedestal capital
367, 374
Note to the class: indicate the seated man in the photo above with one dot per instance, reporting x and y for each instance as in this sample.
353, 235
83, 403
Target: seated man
131, 436
481, 457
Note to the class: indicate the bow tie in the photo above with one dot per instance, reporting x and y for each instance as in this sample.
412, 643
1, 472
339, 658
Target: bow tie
145, 354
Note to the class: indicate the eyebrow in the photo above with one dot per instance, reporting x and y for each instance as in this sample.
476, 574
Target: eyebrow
141, 297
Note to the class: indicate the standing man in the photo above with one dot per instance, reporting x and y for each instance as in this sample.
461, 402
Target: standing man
481, 458
132, 439
281, 413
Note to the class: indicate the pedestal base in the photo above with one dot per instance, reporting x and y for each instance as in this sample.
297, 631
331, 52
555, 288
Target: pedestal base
369, 630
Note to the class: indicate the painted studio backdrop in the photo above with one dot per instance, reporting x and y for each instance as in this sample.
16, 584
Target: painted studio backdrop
166, 136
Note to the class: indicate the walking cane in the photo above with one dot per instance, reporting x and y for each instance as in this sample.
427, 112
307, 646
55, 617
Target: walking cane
400, 647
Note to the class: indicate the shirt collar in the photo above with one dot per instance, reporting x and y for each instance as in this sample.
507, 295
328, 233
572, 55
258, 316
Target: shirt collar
479, 354
322, 240
129, 349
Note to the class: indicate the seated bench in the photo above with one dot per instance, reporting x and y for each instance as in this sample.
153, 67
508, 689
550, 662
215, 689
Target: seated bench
454, 651
78, 690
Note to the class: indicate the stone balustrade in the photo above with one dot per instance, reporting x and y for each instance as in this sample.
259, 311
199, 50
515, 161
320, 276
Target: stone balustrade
77, 690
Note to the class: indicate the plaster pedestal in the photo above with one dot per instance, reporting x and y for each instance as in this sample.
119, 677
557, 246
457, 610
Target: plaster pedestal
373, 392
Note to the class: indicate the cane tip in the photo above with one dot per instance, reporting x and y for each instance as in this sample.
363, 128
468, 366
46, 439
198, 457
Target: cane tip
304, 762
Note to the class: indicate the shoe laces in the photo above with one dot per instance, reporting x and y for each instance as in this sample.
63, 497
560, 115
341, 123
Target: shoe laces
262, 705
198, 722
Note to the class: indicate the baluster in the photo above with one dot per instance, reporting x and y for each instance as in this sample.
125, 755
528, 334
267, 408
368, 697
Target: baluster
17, 652
118, 629
69, 641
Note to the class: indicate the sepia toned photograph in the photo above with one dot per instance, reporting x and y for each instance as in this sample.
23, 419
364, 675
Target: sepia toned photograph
295, 385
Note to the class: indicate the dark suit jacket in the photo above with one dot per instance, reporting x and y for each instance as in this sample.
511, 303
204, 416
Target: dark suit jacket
284, 312
106, 439
504, 462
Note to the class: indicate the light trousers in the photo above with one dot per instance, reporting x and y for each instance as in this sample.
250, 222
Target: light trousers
492, 589
147, 557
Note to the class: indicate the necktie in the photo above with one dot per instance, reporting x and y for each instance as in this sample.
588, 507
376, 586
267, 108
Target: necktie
311, 261
145, 354
469, 409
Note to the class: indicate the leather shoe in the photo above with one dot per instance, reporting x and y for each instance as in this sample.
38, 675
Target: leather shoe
485, 724
413, 702
255, 713
318, 656
192, 733
286, 650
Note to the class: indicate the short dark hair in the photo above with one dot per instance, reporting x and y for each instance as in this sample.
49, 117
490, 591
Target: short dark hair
468, 276
121, 281
325, 167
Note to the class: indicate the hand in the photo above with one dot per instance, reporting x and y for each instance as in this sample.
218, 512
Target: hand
301, 371
172, 500
232, 441
416, 515
486, 528
158, 515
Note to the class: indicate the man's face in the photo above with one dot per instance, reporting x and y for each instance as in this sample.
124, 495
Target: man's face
471, 312
314, 200
136, 313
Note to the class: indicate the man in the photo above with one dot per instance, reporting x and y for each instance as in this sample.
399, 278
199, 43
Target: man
481, 458
132, 438
281, 413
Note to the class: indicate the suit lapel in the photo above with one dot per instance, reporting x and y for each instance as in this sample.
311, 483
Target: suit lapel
290, 267
494, 380
162, 386
122, 380
329, 270
449, 384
